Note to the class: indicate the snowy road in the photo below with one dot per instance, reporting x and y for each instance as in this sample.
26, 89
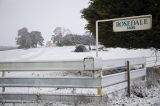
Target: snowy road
66, 53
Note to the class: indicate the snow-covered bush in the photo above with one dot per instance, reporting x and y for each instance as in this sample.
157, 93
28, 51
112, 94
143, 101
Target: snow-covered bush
153, 77
80, 48
139, 88
142, 88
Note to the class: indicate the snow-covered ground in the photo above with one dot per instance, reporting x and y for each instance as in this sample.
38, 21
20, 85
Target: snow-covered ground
66, 53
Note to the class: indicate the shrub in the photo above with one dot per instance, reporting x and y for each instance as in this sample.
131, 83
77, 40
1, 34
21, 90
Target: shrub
139, 88
80, 48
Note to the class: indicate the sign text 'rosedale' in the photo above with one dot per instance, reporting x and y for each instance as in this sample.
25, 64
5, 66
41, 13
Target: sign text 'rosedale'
132, 24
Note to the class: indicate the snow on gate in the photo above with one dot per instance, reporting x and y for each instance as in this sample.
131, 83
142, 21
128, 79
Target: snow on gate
103, 77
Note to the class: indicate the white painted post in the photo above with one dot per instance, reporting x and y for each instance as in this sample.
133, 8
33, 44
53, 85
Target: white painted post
96, 38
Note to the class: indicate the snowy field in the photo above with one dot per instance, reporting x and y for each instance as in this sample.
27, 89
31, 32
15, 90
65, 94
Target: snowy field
66, 53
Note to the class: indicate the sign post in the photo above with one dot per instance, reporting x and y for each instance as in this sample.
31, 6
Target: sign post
143, 22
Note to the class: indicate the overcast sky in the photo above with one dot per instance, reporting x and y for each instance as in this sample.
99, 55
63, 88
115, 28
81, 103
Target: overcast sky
40, 15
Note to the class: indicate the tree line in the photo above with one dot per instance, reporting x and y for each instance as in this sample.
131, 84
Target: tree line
61, 37
73, 39
66, 38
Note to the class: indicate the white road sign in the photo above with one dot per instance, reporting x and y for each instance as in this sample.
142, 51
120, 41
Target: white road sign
132, 24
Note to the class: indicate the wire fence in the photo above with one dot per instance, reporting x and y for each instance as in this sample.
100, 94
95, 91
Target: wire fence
153, 61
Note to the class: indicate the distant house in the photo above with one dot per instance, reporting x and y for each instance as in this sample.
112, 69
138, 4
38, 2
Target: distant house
50, 44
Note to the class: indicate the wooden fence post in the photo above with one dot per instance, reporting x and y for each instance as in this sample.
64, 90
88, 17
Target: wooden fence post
3, 88
3, 75
128, 77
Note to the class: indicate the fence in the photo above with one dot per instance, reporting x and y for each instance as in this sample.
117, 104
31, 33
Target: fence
102, 80
153, 61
